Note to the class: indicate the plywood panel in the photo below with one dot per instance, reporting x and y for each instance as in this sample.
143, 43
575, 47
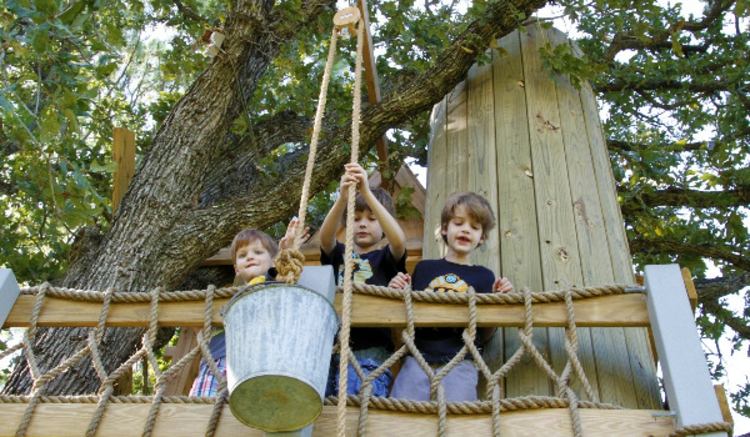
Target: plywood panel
517, 227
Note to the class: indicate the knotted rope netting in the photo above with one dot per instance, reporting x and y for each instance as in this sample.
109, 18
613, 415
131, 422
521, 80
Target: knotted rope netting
494, 404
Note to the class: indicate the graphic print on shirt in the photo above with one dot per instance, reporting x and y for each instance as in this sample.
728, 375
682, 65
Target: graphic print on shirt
362, 270
449, 282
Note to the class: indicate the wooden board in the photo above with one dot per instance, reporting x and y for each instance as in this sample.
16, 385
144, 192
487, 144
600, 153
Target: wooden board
457, 136
640, 355
558, 244
595, 264
436, 190
123, 154
482, 172
189, 420
517, 230
619, 310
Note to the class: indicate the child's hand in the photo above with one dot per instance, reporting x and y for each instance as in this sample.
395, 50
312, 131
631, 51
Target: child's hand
502, 285
347, 180
293, 239
401, 280
356, 174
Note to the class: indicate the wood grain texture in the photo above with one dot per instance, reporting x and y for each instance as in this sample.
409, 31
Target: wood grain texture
189, 420
618, 310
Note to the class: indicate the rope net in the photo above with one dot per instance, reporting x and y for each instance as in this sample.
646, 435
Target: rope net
494, 402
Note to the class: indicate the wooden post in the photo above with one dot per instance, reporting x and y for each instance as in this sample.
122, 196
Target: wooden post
123, 154
692, 293
9, 292
181, 383
373, 93
686, 379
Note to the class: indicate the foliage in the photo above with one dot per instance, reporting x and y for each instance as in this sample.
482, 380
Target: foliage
673, 84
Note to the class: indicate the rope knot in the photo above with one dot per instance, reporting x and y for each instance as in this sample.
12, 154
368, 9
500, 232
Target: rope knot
289, 264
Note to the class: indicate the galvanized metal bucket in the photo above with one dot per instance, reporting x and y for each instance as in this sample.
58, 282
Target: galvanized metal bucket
279, 341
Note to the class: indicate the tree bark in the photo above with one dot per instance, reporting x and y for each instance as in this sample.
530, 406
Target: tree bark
170, 220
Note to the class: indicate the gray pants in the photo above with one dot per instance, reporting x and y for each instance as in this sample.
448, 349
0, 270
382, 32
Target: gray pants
412, 383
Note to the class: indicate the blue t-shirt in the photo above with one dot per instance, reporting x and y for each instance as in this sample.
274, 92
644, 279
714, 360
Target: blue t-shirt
439, 345
376, 267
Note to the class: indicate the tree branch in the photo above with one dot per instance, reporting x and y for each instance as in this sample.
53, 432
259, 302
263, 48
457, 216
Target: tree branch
711, 289
186, 11
721, 252
413, 97
236, 169
625, 41
674, 196
738, 324
669, 84
626, 146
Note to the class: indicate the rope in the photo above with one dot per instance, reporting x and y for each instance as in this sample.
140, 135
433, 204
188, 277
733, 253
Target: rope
365, 401
289, 262
703, 428
429, 296
349, 266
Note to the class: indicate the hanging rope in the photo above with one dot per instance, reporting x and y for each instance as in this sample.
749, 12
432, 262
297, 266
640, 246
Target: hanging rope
346, 311
289, 262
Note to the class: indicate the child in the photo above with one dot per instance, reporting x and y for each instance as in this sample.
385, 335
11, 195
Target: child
253, 252
465, 221
374, 264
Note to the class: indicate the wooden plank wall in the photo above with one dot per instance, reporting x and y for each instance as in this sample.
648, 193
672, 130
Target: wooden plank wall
553, 192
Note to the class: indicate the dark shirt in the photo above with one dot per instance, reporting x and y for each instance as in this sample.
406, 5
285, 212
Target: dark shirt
439, 345
376, 267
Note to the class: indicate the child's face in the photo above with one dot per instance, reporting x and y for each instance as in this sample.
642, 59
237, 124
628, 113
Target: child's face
367, 230
252, 260
463, 233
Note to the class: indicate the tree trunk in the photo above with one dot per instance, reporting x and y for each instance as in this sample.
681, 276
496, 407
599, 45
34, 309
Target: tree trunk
165, 227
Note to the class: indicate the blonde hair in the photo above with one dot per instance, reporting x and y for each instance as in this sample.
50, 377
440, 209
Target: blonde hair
476, 206
248, 236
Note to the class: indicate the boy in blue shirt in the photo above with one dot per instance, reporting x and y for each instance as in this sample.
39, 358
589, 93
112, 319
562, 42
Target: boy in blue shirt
375, 263
465, 221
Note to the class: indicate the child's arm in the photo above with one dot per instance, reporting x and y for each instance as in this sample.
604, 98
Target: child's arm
333, 218
393, 232
293, 239
501, 285
401, 280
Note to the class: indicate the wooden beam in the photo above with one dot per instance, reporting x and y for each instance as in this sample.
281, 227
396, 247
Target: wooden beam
123, 154
721, 397
190, 420
180, 384
373, 87
692, 293
686, 379
618, 310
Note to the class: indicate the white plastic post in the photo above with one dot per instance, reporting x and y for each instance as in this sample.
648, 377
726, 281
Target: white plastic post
9, 292
686, 379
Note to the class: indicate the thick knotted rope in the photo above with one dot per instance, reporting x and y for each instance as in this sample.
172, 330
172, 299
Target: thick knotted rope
346, 311
289, 262
495, 404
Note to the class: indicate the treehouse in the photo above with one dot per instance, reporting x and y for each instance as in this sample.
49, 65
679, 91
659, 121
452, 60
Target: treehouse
579, 344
